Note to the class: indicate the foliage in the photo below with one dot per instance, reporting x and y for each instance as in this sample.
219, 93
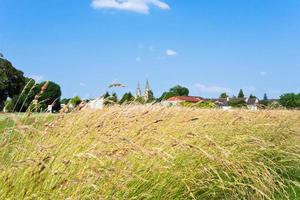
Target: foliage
111, 99
65, 101
141, 152
203, 104
252, 96
237, 103
23, 101
265, 97
49, 93
106, 95
114, 97
12, 81
9, 106
127, 98
224, 95
150, 97
290, 100
241, 94
167, 95
274, 105
180, 91
140, 100
175, 91
75, 101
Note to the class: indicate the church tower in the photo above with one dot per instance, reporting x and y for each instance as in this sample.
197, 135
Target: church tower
148, 91
138, 91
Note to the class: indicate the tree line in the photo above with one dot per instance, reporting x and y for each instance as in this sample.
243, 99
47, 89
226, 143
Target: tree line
24, 93
19, 93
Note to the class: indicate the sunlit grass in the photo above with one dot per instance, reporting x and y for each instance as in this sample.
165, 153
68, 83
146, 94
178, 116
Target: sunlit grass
140, 152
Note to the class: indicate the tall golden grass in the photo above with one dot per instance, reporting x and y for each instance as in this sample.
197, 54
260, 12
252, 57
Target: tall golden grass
153, 152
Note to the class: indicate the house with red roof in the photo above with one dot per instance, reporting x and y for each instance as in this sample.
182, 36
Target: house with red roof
179, 99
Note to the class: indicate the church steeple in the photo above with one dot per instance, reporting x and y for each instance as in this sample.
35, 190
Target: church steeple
147, 90
138, 91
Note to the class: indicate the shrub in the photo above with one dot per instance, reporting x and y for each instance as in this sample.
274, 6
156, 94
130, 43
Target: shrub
203, 104
290, 101
237, 103
9, 106
76, 101
127, 98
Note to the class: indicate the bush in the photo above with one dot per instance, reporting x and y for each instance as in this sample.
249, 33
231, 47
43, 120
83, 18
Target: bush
290, 101
203, 104
127, 98
175, 91
12, 81
9, 106
237, 103
274, 105
76, 101
49, 94
23, 101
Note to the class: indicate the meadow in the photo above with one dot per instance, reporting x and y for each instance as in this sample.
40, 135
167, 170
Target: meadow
151, 152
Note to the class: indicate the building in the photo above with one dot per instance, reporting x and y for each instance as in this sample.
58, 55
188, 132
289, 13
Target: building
138, 91
173, 101
95, 104
252, 103
223, 103
148, 94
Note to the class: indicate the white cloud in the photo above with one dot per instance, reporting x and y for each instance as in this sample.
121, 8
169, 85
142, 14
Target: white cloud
37, 78
138, 59
171, 52
263, 73
139, 6
82, 84
213, 89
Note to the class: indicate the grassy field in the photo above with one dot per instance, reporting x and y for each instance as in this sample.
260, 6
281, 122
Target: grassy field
140, 152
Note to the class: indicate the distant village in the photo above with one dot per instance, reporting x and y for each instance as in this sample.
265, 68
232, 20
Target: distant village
24, 94
177, 96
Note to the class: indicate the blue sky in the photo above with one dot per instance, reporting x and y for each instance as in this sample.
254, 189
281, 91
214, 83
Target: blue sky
208, 46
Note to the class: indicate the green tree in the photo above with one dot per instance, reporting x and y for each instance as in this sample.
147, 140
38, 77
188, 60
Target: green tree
106, 95
9, 107
180, 91
140, 100
65, 101
49, 93
265, 101
151, 97
127, 98
290, 100
111, 100
12, 81
167, 95
224, 95
252, 96
266, 97
23, 101
175, 91
114, 97
237, 103
241, 94
75, 101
